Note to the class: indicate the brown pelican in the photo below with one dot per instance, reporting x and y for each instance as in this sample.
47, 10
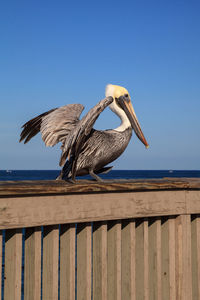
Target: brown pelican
84, 149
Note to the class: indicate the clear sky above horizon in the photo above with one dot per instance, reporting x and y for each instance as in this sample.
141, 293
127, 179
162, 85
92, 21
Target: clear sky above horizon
54, 53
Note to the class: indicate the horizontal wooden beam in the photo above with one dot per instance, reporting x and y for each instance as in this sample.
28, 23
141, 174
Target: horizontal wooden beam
52, 187
28, 211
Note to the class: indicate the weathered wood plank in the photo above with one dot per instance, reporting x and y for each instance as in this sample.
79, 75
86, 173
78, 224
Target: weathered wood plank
146, 260
128, 259
100, 261
50, 262
114, 260
165, 259
46, 210
154, 259
195, 240
168, 259
13, 264
158, 261
172, 245
183, 258
67, 262
84, 267
192, 183
1, 252
198, 252
192, 200
139, 260
86, 186
179, 251
187, 265
32, 268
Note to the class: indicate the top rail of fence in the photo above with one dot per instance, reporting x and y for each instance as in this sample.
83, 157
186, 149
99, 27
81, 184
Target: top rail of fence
53, 187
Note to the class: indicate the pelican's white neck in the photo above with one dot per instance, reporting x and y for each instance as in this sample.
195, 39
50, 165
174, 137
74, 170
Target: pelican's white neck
111, 90
125, 123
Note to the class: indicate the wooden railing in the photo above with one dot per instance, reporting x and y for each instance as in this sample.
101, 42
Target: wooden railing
120, 240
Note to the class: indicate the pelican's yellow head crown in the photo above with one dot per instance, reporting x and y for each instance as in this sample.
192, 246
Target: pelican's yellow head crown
115, 91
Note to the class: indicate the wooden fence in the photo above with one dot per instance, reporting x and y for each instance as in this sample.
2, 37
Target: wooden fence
120, 240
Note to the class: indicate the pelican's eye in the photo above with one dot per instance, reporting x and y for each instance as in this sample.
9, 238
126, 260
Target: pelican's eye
127, 97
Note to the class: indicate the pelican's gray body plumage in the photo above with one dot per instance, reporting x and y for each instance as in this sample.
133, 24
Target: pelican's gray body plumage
84, 149
100, 149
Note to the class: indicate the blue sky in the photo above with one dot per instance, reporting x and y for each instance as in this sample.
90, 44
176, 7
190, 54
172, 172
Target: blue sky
54, 53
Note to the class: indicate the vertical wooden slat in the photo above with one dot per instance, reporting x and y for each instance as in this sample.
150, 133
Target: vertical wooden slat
139, 248
172, 278
84, 261
187, 264
168, 259
1, 249
198, 252
67, 262
183, 258
179, 255
13, 264
159, 265
165, 259
146, 260
114, 260
152, 260
195, 233
142, 264
155, 259
100, 261
32, 268
50, 262
128, 260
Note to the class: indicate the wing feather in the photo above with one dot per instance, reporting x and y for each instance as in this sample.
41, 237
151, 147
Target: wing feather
32, 127
63, 125
78, 135
54, 125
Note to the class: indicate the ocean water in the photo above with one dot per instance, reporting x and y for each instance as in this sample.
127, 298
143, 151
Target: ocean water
114, 174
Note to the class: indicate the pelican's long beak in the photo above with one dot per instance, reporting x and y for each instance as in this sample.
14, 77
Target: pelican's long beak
129, 110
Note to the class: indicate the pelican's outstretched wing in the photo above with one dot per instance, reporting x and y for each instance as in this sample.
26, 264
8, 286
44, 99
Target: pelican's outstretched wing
76, 138
55, 125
